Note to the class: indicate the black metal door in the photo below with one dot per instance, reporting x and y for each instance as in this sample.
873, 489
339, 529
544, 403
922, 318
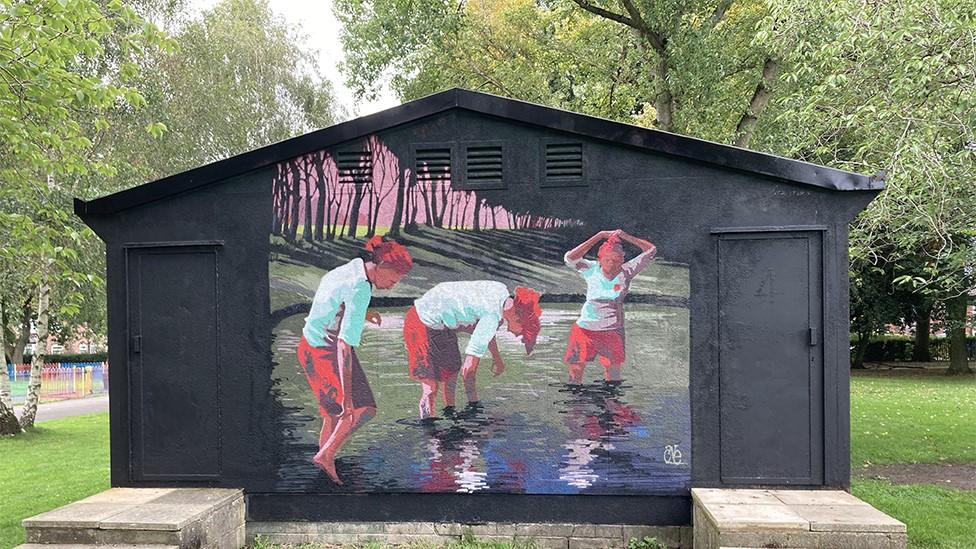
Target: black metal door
173, 367
770, 307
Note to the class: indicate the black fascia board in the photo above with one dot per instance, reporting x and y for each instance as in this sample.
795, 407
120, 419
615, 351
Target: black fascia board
514, 110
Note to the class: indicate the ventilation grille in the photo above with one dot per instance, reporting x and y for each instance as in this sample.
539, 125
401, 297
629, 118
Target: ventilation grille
354, 167
433, 164
564, 161
484, 166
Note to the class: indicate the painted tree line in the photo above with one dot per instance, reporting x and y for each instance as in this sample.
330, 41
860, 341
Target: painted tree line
329, 194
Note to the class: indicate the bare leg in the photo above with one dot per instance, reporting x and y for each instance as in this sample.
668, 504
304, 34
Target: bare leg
612, 372
576, 373
469, 375
328, 425
428, 398
345, 426
449, 387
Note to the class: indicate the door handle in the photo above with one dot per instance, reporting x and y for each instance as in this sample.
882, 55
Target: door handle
813, 337
136, 344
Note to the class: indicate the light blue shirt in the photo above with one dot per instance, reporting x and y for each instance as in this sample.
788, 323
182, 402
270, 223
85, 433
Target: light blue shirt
478, 303
604, 307
339, 306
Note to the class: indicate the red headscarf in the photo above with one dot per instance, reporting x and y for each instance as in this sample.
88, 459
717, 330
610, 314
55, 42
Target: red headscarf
390, 253
527, 310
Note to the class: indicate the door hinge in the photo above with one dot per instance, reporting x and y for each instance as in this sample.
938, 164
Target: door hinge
813, 337
136, 344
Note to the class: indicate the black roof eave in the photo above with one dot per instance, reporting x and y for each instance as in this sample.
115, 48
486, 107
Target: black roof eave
717, 154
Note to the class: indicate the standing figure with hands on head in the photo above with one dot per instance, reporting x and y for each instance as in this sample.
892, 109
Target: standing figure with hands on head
599, 330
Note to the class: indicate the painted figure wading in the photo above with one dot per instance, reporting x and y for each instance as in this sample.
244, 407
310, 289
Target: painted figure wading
478, 307
333, 330
599, 330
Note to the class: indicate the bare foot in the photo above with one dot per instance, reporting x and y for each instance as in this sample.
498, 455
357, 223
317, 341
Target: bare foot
327, 464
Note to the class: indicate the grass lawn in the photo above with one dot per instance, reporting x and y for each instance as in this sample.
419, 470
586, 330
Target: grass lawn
912, 419
917, 419
59, 462
894, 419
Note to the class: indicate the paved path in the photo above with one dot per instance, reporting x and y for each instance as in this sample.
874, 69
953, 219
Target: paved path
72, 407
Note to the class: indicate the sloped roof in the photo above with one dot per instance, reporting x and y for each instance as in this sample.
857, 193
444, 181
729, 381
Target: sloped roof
717, 154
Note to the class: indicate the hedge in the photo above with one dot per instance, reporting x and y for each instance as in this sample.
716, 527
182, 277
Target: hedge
78, 357
899, 348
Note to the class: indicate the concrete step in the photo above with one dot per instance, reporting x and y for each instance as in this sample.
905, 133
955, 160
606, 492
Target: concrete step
204, 518
795, 519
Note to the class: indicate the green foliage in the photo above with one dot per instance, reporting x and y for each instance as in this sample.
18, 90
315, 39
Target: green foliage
645, 543
555, 53
54, 464
890, 348
239, 79
891, 87
912, 419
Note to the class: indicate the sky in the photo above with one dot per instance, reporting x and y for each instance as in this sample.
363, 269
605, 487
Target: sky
316, 22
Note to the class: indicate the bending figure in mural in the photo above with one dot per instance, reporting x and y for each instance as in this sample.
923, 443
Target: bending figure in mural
333, 330
480, 307
599, 330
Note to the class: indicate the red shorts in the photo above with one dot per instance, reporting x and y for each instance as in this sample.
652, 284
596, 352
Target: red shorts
584, 345
321, 366
431, 354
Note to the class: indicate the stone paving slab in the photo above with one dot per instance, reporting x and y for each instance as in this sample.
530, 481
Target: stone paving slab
130, 496
755, 517
848, 518
77, 515
710, 496
815, 497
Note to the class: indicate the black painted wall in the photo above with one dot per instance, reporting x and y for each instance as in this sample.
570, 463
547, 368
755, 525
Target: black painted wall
209, 417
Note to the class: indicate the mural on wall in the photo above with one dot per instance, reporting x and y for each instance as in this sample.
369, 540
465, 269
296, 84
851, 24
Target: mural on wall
429, 338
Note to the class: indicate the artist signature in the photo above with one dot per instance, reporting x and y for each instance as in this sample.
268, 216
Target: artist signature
672, 455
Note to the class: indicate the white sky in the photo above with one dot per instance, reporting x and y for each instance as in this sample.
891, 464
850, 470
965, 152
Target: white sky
321, 29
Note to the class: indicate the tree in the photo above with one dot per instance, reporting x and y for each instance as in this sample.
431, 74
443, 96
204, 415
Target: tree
891, 88
701, 68
54, 94
238, 80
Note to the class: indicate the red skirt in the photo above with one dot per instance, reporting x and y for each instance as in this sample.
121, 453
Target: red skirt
321, 366
584, 345
431, 354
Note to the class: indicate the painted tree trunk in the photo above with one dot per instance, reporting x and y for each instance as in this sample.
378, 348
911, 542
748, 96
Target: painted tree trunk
477, 213
296, 202
956, 313
37, 360
923, 324
398, 208
309, 230
352, 224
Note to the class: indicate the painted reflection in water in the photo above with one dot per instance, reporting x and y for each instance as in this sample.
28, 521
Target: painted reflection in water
532, 433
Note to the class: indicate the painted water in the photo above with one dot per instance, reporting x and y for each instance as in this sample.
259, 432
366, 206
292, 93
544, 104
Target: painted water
531, 433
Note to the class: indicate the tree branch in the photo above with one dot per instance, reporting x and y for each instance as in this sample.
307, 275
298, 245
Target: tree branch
760, 98
719, 13
656, 40
613, 16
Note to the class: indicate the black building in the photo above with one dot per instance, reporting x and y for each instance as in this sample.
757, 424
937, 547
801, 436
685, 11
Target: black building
734, 371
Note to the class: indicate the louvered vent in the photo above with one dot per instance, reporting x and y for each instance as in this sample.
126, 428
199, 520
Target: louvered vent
564, 161
433, 164
484, 166
354, 167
